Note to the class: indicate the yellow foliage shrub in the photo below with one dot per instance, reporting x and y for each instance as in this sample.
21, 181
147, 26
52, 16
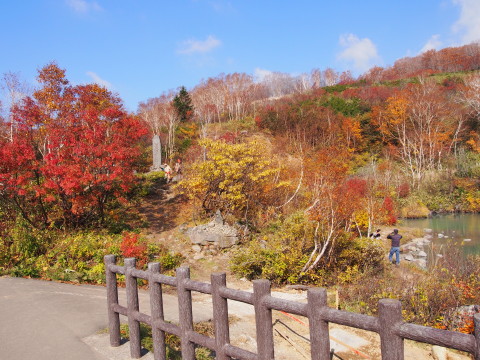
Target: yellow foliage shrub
234, 178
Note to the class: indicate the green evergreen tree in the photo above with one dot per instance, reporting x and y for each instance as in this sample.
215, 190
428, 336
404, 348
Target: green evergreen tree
183, 104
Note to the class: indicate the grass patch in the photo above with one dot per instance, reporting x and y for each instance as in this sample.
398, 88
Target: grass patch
172, 342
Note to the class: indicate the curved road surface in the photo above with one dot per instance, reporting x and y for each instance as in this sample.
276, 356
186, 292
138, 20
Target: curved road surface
43, 320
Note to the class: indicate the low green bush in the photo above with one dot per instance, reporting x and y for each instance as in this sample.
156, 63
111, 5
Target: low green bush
76, 257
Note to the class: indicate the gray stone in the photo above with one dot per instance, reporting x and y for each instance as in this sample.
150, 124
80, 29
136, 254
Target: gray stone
428, 231
196, 238
409, 257
441, 235
422, 254
198, 256
218, 218
227, 241
467, 240
421, 262
157, 153
216, 233
197, 248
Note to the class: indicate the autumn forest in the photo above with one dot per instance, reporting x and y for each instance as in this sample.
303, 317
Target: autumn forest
305, 166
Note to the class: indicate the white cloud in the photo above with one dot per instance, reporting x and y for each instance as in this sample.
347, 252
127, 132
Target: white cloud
83, 6
261, 74
433, 43
468, 25
361, 52
98, 80
190, 47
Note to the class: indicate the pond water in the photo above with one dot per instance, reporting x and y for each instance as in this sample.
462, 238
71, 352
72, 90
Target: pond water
463, 229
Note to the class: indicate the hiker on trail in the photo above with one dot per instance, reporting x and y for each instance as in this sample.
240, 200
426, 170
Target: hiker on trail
168, 172
178, 167
395, 248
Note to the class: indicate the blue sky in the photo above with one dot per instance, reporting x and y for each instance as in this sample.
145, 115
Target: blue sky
140, 49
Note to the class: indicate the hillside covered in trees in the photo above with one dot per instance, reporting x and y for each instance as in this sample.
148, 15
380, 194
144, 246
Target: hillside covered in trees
306, 166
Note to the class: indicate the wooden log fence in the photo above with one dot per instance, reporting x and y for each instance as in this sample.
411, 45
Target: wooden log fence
389, 324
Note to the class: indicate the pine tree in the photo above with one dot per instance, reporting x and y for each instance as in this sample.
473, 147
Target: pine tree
183, 104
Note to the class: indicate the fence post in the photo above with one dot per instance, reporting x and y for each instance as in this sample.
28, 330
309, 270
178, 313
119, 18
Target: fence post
185, 313
220, 315
476, 323
263, 320
390, 315
319, 333
156, 308
112, 298
132, 307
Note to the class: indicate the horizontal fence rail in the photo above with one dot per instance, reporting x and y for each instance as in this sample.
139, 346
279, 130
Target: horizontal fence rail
389, 323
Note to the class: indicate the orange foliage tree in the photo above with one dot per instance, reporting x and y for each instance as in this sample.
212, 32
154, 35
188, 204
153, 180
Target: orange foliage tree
334, 201
419, 122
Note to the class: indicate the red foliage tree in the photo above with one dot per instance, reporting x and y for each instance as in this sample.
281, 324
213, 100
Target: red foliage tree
74, 152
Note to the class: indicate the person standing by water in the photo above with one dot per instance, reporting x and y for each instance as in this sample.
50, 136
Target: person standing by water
395, 248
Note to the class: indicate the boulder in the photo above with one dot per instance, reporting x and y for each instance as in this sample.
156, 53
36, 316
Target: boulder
421, 262
197, 248
409, 257
422, 254
214, 233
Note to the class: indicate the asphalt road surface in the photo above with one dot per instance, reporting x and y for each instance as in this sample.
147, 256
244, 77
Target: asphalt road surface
44, 320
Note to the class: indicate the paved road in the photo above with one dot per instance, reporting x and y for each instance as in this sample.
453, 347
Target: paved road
43, 320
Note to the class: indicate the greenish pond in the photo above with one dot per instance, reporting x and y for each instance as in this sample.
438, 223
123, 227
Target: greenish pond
463, 229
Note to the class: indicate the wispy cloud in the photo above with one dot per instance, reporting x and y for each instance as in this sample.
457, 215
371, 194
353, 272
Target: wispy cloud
222, 7
98, 80
261, 74
434, 43
468, 25
362, 53
83, 6
189, 47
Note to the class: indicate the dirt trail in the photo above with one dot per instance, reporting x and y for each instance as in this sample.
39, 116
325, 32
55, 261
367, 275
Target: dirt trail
160, 208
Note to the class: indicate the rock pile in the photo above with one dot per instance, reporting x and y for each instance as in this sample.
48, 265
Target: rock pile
414, 251
213, 235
